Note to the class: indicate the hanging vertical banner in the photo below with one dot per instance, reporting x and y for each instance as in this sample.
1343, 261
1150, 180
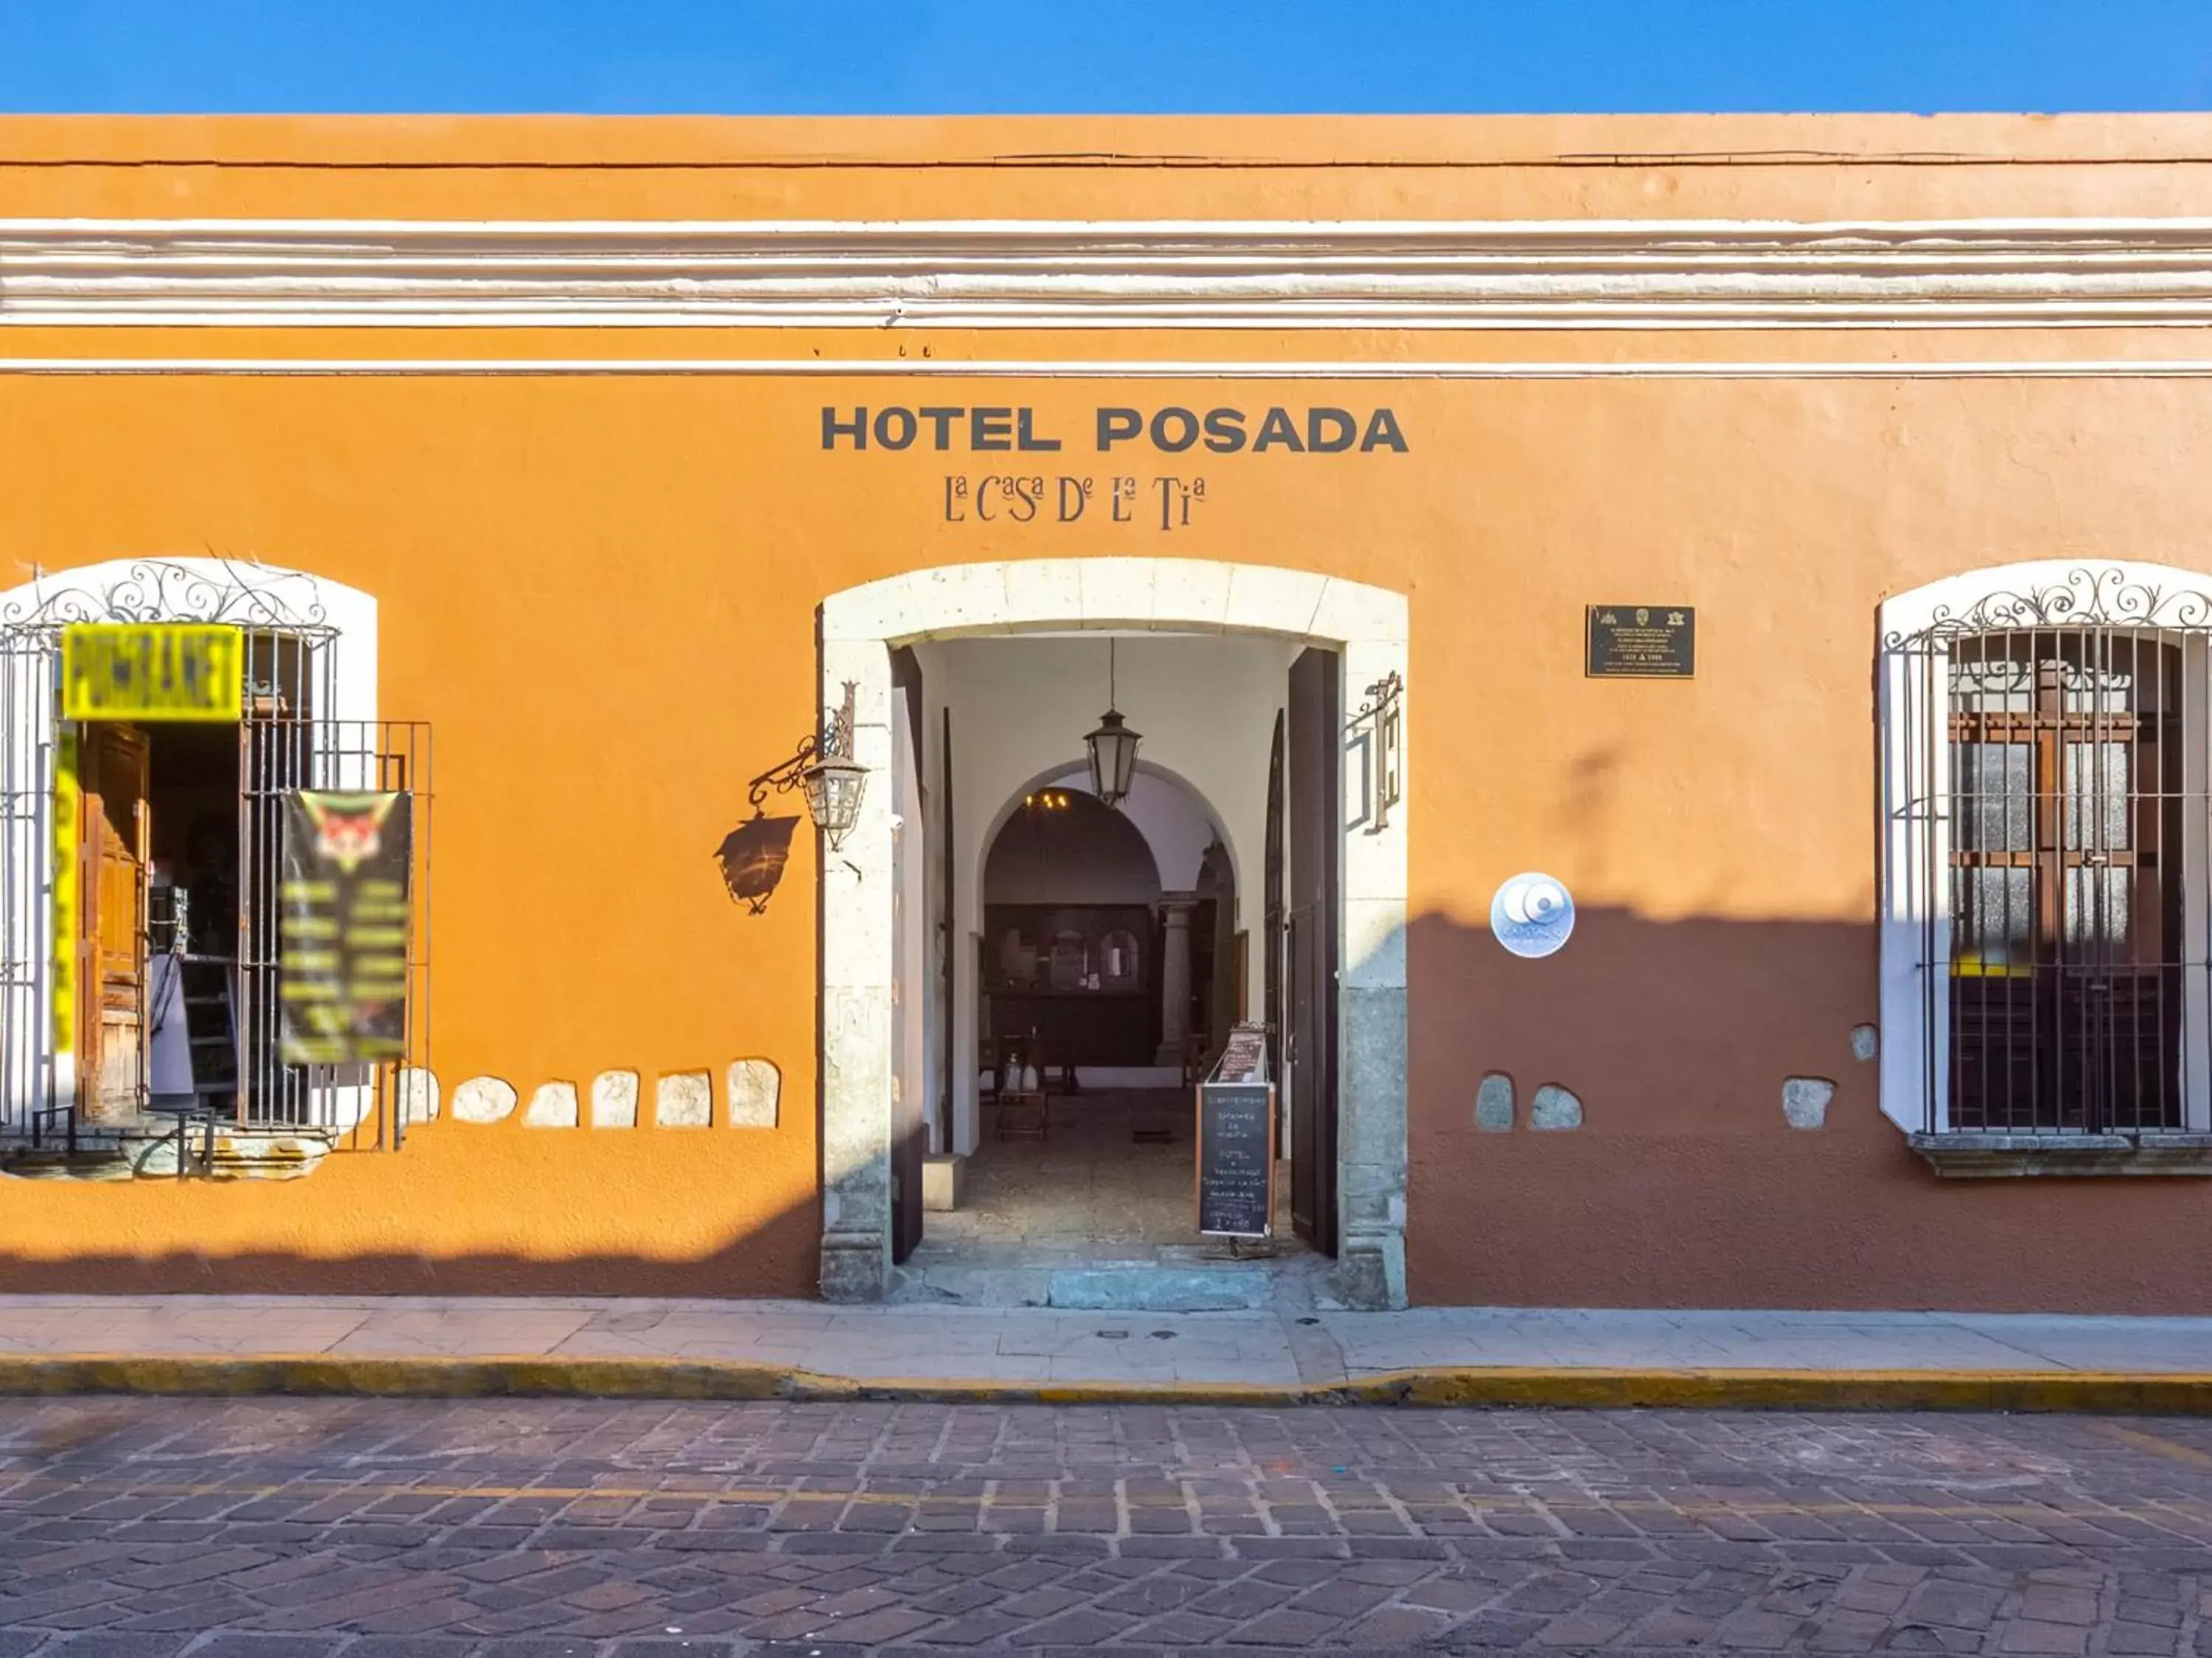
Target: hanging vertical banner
66, 795
342, 971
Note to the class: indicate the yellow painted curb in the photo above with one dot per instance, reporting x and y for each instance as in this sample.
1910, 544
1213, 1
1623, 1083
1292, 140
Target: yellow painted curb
415, 1376
1811, 1389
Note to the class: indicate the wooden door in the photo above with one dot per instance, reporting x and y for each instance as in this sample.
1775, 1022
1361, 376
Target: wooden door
1272, 923
948, 1029
112, 922
1313, 756
910, 915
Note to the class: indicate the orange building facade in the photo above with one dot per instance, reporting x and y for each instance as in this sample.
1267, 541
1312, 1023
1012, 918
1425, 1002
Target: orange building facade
598, 458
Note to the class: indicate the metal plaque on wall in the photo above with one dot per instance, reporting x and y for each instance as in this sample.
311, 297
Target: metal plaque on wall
1641, 642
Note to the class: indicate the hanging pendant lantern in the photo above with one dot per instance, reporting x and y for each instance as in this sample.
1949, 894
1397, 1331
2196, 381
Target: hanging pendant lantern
1112, 746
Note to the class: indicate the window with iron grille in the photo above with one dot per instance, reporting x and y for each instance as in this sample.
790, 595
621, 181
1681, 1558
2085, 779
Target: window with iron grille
184, 959
2046, 876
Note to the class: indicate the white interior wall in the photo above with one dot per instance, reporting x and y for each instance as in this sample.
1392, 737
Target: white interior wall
1205, 706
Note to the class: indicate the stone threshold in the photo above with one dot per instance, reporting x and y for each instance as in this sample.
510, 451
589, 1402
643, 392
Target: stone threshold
2016, 1156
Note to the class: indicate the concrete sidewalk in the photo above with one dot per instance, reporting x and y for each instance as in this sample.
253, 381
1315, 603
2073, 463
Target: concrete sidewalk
639, 1348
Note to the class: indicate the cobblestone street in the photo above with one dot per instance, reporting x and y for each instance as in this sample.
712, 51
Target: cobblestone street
292, 1529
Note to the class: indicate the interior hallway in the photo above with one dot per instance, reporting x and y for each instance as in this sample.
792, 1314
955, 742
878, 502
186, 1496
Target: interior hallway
1094, 1214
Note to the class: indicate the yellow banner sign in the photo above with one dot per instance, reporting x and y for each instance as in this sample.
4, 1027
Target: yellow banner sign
66, 798
152, 671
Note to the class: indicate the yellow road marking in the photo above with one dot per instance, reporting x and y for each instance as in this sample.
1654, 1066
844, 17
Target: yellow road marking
35, 1486
2156, 1444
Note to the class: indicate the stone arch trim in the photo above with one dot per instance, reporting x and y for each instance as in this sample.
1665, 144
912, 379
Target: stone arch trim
1007, 807
1011, 806
1368, 626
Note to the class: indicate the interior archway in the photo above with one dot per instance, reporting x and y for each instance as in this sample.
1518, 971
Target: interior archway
1105, 977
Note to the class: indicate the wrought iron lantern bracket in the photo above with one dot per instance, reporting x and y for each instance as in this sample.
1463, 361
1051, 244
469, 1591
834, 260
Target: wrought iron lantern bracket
783, 777
823, 770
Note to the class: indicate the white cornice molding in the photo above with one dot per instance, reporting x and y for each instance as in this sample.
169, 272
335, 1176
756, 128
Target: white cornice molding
1106, 369
1643, 274
1245, 370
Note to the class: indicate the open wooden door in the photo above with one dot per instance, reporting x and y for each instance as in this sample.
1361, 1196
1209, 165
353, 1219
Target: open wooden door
1313, 755
112, 864
909, 924
1270, 948
948, 1031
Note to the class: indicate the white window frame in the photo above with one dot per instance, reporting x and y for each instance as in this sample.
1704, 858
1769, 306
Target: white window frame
1913, 655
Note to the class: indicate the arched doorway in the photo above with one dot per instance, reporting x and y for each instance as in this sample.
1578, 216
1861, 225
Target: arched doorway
1106, 969
1189, 890
1070, 972
973, 682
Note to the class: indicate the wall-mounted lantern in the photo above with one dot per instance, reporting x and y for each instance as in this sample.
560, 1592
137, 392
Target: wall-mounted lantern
1112, 746
1381, 715
823, 770
834, 781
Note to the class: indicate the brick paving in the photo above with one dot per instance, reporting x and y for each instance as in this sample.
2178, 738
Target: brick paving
274, 1528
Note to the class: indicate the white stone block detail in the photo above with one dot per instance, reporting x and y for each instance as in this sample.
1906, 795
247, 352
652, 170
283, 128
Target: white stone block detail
1493, 1102
1040, 592
1276, 601
959, 598
1351, 610
1805, 1102
418, 1094
1866, 1042
483, 1099
684, 1100
1554, 1107
1191, 592
755, 1086
1117, 591
553, 1106
614, 1100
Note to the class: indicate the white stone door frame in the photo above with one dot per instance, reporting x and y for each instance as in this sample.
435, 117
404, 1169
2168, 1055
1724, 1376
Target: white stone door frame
860, 627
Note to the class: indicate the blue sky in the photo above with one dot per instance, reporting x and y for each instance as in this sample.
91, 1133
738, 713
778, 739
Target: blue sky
962, 57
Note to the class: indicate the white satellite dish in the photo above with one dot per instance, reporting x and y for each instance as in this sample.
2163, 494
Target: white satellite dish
1532, 915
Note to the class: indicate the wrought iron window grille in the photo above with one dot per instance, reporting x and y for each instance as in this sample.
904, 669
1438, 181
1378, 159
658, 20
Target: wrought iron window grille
288, 740
2056, 780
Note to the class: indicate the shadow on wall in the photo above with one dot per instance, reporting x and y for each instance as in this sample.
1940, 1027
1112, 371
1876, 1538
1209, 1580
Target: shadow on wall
752, 857
467, 1209
1685, 1184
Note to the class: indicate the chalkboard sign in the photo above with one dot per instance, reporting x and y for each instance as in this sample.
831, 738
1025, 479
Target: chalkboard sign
1236, 1159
